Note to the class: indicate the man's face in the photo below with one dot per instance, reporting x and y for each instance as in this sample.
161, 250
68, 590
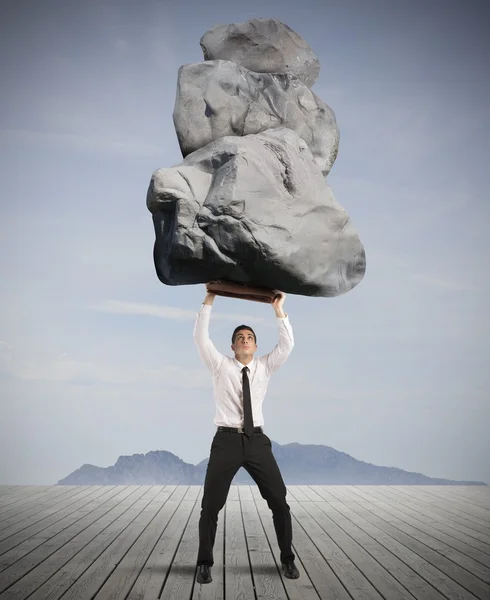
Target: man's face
244, 343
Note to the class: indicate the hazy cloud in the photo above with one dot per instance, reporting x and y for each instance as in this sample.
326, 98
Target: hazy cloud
64, 368
166, 312
106, 144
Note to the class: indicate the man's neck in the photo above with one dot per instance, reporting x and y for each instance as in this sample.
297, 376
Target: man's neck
245, 360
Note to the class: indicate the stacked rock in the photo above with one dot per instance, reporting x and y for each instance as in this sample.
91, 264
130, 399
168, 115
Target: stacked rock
249, 204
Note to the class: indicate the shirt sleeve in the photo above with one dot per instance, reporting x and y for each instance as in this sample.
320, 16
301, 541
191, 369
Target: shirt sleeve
207, 351
283, 348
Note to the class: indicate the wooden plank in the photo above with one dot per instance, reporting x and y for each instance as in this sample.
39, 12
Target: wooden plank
5, 490
38, 508
453, 503
122, 579
88, 573
154, 573
434, 578
296, 589
470, 558
216, 589
421, 499
353, 580
473, 494
406, 576
312, 494
24, 491
181, 579
327, 495
325, 581
233, 493
25, 541
238, 574
380, 578
477, 495
37, 521
31, 494
445, 517
449, 495
427, 517
290, 496
295, 493
452, 520
18, 511
337, 492
77, 543
469, 501
132, 557
266, 578
404, 534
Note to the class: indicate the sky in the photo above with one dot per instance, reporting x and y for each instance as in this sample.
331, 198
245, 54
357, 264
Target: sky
97, 358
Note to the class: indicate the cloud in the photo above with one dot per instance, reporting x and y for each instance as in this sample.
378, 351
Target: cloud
165, 312
66, 369
128, 146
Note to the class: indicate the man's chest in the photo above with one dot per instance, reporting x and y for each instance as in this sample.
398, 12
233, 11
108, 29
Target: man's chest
230, 377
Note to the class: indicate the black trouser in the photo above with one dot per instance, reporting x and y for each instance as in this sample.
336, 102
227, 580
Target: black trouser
229, 452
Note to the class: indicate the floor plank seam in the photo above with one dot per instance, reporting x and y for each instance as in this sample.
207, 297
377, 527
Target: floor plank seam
156, 543
427, 546
246, 544
432, 550
177, 549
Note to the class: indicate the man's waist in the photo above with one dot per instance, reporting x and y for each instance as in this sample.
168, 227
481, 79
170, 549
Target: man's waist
238, 429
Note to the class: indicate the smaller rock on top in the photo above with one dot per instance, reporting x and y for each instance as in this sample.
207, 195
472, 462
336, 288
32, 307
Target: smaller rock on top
263, 46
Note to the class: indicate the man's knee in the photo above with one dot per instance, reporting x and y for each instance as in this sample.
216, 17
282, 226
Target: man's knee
212, 504
279, 505
276, 500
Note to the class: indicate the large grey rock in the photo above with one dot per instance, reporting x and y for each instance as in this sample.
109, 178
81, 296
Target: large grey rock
263, 46
257, 210
219, 98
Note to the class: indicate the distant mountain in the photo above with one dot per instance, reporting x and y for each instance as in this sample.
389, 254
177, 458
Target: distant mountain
305, 464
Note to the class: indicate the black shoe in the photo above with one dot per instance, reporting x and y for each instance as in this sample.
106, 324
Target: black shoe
204, 574
290, 570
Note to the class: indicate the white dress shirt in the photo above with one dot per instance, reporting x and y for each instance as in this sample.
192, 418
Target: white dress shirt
227, 375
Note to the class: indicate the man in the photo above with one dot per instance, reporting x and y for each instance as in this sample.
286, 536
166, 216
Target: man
240, 384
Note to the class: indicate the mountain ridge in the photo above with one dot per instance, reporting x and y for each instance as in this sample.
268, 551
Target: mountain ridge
300, 464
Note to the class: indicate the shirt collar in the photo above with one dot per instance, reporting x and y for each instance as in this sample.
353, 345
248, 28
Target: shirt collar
251, 364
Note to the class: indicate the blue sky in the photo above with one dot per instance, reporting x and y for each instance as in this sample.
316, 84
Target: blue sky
96, 355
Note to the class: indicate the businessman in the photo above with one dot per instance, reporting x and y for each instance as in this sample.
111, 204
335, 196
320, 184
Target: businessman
240, 384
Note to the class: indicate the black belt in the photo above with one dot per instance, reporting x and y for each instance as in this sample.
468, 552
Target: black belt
238, 429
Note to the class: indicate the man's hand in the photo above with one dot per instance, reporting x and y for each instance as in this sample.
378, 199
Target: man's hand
278, 303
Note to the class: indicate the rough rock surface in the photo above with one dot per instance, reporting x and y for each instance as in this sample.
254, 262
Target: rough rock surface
257, 210
219, 98
263, 46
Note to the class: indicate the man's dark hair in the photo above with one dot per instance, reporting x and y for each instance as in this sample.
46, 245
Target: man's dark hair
242, 327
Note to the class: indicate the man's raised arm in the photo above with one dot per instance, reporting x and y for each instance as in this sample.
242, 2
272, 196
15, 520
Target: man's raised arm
283, 348
208, 353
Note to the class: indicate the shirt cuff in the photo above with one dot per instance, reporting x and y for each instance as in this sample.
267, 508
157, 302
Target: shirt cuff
206, 308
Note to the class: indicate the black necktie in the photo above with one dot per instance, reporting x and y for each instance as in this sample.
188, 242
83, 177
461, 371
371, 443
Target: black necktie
248, 422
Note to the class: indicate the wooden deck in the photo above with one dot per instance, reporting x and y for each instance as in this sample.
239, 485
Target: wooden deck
140, 542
